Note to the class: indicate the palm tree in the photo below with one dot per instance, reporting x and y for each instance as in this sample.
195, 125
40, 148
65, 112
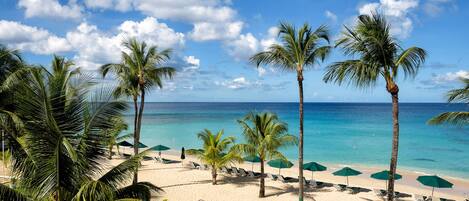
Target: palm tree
264, 134
139, 71
113, 134
216, 152
60, 148
299, 49
379, 55
456, 118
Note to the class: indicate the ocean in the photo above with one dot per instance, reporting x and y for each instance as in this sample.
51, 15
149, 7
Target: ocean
336, 133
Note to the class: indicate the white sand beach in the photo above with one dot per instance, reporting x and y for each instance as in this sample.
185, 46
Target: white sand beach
181, 183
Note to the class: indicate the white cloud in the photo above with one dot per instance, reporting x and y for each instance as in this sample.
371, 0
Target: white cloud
30, 38
238, 83
51, 9
270, 39
191, 60
204, 31
247, 45
120, 5
95, 47
261, 71
396, 11
450, 77
330, 15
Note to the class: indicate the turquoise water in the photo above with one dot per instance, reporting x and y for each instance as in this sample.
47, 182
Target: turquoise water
341, 133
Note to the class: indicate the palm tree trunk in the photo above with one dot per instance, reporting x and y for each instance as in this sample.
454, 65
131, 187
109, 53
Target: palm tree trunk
214, 175
395, 142
139, 126
262, 184
110, 152
135, 180
300, 144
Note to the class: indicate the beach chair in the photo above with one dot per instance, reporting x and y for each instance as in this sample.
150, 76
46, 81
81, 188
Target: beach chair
194, 165
235, 171
225, 170
339, 187
378, 192
417, 197
306, 182
204, 167
127, 155
148, 158
254, 174
285, 179
243, 172
271, 176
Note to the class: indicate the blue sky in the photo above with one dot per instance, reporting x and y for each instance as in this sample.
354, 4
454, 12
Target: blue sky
213, 39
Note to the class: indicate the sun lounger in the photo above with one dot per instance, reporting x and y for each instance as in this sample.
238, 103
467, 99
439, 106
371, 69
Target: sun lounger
285, 179
225, 170
126, 155
204, 167
306, 182
254, 174
339, 187
194, 165
235, 171
148, 158
380, 193
243, 172
271, 176
418, 197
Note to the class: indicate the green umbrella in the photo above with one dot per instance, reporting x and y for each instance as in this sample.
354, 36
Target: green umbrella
159, 148
125, 144
346, 172
141, 145
384, 175
313, 166
252, 159
280, 163
434, 181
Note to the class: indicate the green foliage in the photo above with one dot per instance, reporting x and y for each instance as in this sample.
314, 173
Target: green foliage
60, 145
377, 54
456, 118
298, 48
264, 134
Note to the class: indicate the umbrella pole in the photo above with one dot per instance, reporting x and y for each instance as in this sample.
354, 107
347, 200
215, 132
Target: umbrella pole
433, 189
278, 171
347, 180
312, 176
252, 166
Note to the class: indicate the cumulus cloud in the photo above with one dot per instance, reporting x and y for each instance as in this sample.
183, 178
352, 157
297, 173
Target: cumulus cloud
204, 31
30, 38
397, 13
120, 5
191, 60
50, 8
247, 45
445, 80
238, 83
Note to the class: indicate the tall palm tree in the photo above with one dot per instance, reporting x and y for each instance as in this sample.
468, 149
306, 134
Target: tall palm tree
61, 146
139, 71
217, 151
378, 55
456, 118
264, 134
298, 50
114, 134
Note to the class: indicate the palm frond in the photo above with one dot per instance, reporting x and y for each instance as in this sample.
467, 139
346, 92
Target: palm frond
141, 190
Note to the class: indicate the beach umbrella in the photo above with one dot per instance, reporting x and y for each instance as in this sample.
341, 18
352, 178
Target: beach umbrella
252, 159
384, 175
346, 172
435, 182
160, 148
141, 145
313, 167
125, 144
280, 163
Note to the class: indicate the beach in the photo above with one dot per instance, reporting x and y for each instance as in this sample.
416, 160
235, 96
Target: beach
181, 183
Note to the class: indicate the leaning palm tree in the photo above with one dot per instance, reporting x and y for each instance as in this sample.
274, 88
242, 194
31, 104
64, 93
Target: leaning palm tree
216, 152
114, 134
377, 54
456, 118
59, 148
139, 71
299, 50
264, 134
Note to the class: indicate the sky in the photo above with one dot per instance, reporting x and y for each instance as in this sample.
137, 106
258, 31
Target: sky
212, 41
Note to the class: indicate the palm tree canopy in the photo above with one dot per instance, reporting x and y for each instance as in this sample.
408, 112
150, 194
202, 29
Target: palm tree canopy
297, 50
62, 146
457, 96
377, 54
264, 134
140, 68
216, 150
